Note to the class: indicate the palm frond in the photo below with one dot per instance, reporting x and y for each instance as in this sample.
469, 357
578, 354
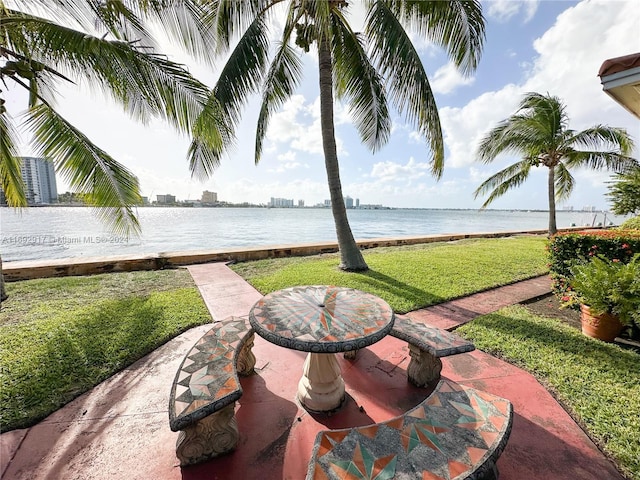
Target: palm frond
564, 182
226, 18
358, 81
398, 61
88, 169
599, 160
517, 134
146, 84
603, 137
458, 26
284, 75
503, 181
10, 173
211, 136
242, 74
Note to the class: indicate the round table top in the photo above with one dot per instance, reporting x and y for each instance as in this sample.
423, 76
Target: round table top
321, 319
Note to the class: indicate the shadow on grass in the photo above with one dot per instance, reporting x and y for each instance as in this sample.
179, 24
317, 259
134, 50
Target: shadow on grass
414, 297
57, 360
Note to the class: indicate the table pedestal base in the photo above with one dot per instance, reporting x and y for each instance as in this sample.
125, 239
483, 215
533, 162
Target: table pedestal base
321, 388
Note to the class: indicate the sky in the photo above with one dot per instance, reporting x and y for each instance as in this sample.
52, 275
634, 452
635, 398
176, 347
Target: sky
553, 47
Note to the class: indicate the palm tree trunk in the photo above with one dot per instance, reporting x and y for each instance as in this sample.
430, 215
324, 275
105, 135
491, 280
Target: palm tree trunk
350, 256
552, 200
3, 292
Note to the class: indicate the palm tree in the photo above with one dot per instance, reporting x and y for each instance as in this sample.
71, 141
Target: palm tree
539, 133
361, 68
624, 193
108, 46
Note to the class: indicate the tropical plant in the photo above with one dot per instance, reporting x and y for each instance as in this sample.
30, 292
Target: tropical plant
624, 193
607, 286
361, 68
632, 223
540, 134
106, 45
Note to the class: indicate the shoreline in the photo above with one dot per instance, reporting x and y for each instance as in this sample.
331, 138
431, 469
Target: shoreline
75, 266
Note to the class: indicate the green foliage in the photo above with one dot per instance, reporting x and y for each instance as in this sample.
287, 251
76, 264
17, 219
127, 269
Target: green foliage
411, 277
608, 286
569, 249
624, 193
597, 382
62, 336
631, 224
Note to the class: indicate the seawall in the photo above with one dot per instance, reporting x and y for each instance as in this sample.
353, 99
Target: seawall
24, 270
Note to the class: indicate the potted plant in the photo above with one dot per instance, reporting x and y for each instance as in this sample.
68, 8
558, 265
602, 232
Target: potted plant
608, 293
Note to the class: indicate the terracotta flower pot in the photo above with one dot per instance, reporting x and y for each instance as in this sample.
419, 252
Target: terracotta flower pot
604, 327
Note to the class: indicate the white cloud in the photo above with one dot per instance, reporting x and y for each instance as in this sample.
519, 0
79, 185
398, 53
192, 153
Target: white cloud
297, 125
464, 127
448, 78
392, 171
569, 56
504, 10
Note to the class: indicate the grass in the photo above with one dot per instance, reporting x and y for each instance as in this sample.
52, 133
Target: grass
61, 336
414, 276
598, 383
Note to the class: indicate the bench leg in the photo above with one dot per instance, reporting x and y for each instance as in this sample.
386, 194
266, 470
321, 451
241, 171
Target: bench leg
246, 358
351, 354
423, 368
208, 438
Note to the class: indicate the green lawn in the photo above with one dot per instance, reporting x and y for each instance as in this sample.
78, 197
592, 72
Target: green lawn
62, 336
415, 276
598, 383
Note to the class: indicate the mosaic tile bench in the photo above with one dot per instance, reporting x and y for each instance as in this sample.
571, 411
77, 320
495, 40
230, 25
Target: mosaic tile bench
427, 345
205, 390
457, 433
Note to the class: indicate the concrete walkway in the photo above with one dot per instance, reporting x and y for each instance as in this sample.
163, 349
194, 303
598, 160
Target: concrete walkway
120, 429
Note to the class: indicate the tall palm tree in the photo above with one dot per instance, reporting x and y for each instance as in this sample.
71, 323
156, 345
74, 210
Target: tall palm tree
361, 68
539, 133
108, 46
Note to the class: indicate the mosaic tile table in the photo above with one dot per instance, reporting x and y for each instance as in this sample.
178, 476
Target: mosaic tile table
321, 320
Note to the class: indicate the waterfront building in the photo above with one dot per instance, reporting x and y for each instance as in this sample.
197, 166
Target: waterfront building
209, 197
166, 199
301, 203
327, 203
281, 203
39, 179
348, 202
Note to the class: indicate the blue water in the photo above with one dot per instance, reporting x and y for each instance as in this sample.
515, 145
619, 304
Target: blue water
60, 232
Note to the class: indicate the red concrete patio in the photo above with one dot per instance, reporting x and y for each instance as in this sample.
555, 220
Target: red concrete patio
120, 429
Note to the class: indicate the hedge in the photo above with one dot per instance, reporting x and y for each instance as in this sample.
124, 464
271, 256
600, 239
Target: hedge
568, 248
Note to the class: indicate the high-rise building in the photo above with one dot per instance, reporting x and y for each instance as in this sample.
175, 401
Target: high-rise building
209, 197
39, 179
166, 199
348, 202
281, 202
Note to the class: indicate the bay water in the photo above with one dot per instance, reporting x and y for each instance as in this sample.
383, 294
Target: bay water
42, 233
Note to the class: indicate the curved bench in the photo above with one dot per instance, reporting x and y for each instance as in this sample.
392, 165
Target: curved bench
427, 345
457, 433
205, 389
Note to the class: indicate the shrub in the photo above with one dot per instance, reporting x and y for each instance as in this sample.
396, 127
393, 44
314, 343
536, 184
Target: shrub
571, 248
608, 286
632, 223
